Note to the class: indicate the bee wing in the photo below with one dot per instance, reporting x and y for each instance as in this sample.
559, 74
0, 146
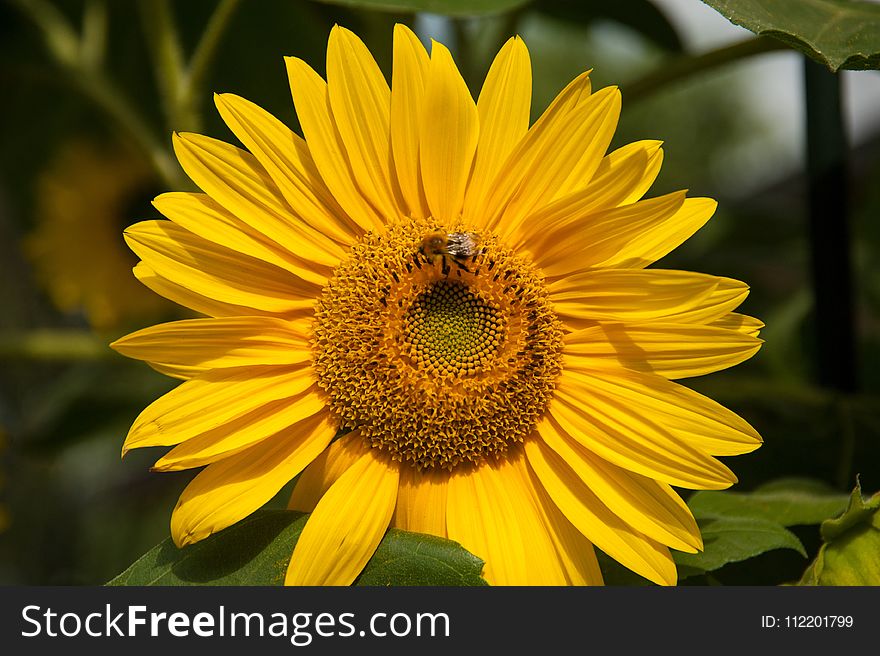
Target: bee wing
462, 244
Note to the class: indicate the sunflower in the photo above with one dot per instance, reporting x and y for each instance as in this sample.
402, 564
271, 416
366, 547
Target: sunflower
85, 197
462, 301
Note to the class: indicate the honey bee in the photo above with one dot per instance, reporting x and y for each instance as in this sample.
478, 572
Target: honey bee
457, 245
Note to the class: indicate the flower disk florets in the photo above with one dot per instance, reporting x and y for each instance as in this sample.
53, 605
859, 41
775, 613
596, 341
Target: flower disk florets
439, 360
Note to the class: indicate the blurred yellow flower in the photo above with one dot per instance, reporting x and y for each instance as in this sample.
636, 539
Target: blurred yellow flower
467, 295
89, 193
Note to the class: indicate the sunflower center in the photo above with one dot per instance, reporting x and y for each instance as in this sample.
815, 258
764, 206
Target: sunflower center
440, 353
450, 329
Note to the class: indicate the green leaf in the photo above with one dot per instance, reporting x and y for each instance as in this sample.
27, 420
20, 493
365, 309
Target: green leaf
740, 525
852, 560
858, 511
449, 7
789, 502
639, 15
837, 33
414, 559
851, 552
732, 539
256, 550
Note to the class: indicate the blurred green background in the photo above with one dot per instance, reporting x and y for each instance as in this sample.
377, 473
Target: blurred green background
72, 177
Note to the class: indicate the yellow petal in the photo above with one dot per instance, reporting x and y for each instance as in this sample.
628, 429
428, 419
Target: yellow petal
561, 219
616, 427
655, 241
286, 158
503, 108
739, 322
492, 511
727, 295
220, 343
576, 553
669, 350
235, 179
648, 506
205, 217
596, 240
591, 517
186, 297
421, 502
613, 164
486, 210
407, 101
674, 416
597, 140
179, 371
693, 418
217, 272
448, 137
325, 469
211, 400
563, 149
574, 94
325, 145
635, 295
233, 488
347, 525
361, 102
282, 420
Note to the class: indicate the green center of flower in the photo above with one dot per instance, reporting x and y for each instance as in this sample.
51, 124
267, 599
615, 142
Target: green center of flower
439, 357
451, 330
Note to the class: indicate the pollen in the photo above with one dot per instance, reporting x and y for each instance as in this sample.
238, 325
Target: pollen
439, 360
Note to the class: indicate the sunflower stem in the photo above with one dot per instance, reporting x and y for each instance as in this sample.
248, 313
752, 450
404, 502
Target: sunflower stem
180, 82
827, 182
62, 345
66, 49
60, 39
206, 49
157, 19
93, 45
682, 68
108, 98
830, 258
